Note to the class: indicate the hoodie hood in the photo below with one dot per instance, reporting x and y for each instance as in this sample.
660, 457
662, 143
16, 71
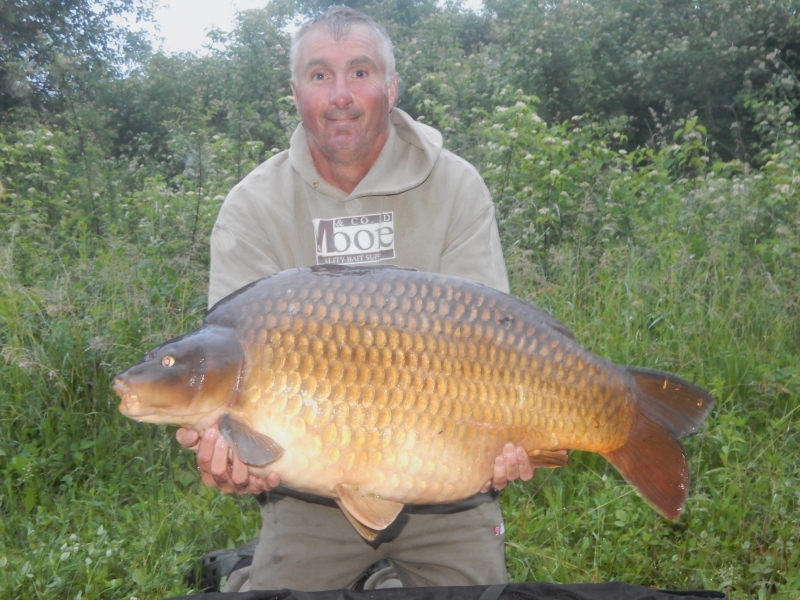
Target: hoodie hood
407, 159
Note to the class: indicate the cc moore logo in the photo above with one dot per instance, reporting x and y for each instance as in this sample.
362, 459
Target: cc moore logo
356, 239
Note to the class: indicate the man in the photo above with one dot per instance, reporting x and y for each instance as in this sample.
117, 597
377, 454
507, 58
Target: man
361, 182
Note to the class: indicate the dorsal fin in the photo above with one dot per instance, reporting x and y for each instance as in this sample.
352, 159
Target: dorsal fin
357, 270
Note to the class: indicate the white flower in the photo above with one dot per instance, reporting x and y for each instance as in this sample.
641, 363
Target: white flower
555, 173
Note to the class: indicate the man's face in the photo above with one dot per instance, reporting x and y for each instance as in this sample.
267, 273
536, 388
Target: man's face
342, 96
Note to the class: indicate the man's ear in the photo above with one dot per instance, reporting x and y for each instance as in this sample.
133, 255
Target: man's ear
392, 92
294, 93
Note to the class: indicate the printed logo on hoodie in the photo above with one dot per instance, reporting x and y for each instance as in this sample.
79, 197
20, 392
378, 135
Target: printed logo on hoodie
355, 239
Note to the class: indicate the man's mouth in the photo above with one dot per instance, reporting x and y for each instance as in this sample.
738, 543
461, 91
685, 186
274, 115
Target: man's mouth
344, 117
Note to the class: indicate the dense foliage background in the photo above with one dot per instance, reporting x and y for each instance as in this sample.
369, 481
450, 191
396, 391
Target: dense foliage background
645, 162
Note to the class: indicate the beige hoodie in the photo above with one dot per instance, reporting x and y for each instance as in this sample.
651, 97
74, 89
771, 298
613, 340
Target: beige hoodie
419, 206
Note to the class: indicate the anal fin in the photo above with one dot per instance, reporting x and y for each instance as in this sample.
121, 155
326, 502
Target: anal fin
548, 459
370, 511
252, 447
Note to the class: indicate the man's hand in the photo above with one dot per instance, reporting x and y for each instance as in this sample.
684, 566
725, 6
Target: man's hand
220, 467
514, 463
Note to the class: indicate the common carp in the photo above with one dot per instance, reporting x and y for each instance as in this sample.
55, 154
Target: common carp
383, 386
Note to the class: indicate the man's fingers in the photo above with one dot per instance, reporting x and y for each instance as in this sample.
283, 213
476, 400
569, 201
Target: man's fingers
512, 464
526, 471
206, 450
240, 476
219, 461
273, 481
499, 479
188, 438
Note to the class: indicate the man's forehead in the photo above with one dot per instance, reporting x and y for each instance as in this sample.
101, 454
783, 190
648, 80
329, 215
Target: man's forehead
362, 42
356, 61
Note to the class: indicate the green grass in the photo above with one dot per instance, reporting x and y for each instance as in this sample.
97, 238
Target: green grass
693, 273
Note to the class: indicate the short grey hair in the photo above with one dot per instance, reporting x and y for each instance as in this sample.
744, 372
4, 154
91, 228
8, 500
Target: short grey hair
338, 21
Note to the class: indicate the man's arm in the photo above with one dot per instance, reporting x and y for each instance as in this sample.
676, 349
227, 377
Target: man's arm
472, 247
475, 252
241, 252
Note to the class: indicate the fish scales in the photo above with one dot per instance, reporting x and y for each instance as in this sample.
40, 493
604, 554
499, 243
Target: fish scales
386, 386
424, 305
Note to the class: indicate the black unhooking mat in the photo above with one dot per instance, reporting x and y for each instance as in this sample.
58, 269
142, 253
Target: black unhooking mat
614, 590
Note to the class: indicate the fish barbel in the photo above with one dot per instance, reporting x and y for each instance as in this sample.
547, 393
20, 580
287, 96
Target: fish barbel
382, 386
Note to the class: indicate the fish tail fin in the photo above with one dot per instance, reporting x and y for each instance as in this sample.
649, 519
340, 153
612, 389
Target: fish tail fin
652, 459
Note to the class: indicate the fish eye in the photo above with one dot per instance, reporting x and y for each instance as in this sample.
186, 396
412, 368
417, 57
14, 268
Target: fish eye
168, 361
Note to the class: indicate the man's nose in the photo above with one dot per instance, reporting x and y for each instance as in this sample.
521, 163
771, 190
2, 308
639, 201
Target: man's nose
341, 96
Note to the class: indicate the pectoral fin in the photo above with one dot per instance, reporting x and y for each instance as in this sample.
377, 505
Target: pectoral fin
370, 512
548, 459
253, 447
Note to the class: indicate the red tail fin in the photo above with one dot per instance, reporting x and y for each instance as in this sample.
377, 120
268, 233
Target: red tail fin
652, 460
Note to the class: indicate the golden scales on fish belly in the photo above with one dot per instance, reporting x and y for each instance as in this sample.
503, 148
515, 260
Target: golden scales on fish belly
382, 386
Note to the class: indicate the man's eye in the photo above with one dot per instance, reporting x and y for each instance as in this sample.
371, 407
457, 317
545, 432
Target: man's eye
318, 76
361, 73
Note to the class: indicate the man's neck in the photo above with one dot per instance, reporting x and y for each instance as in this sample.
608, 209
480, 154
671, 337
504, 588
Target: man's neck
345, 175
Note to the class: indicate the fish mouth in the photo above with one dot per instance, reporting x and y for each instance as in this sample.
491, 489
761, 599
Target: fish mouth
130, 405
120, 387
